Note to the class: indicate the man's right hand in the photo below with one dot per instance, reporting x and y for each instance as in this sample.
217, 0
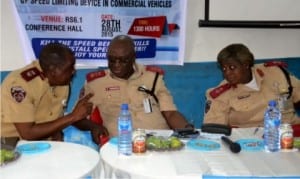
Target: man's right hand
83, 108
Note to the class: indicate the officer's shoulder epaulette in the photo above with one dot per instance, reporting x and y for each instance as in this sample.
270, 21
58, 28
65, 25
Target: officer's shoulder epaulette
155, 69
219, 90
94, 75
276, 63
31, 73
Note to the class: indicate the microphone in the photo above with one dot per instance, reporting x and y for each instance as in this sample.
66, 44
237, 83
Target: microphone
234, 147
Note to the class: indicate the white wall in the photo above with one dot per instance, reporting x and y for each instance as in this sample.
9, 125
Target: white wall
202, 44
15, 48
277, 10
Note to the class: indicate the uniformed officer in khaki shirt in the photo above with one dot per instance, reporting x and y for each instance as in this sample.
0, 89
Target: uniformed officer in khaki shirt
33, 99
127, 82
241, 99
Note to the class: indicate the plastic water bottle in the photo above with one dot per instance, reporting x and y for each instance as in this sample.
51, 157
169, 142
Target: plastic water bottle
272, 120
125, 131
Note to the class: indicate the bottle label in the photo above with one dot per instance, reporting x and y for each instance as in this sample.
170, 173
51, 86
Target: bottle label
124, 126
274, 123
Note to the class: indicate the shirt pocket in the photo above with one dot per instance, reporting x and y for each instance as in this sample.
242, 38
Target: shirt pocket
137, 99
243, 102
113, 96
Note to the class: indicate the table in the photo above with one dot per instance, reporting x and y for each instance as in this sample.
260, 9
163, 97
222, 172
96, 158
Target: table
63, 160
190, 163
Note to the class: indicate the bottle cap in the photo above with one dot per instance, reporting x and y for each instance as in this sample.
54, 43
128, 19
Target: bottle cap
272, 103
124, 106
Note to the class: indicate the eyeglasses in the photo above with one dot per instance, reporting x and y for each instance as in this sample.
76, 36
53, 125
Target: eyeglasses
230, 67
121, 60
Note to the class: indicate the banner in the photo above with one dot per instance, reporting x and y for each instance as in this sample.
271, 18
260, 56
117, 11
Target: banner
87, 26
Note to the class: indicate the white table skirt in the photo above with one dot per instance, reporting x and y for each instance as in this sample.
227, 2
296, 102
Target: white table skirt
62, 161
189, 163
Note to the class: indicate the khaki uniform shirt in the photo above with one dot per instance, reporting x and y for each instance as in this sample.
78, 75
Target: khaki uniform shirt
27, 97
242, 106
110, 92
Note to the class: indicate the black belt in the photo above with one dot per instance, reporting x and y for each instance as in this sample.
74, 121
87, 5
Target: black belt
148, 92
151, 92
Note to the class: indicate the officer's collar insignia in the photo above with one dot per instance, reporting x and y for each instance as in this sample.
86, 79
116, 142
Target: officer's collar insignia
219, 90
155, 69
18, 93
260, 72
94, 75
31, 73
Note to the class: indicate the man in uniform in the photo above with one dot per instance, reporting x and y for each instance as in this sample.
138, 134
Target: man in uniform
143, 88
242, 98
33, 99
